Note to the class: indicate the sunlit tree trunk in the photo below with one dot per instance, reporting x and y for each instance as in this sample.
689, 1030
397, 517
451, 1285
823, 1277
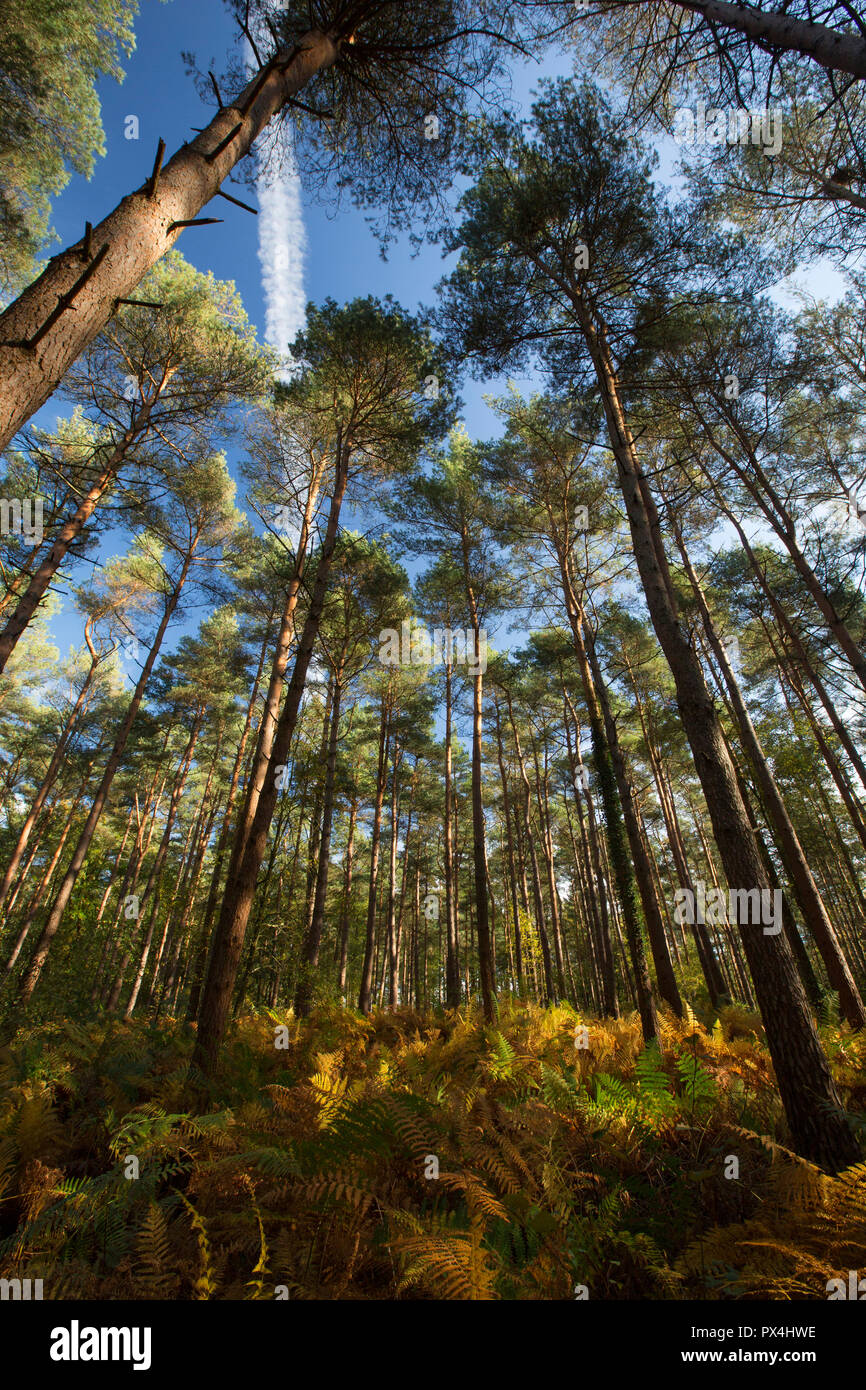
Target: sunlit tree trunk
55, 917
241, 885
85, 282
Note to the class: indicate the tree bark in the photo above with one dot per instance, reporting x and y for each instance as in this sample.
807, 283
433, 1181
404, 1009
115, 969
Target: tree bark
134, 237
310, 952
241, 886
55, 917
365, 991
812, 1105
793, 858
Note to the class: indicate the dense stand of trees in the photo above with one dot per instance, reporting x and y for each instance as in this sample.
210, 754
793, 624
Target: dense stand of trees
572, 713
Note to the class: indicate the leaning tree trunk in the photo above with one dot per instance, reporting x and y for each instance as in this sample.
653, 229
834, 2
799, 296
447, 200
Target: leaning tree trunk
42, 576
35, 902
50, 776
52, 322
773, 509
775, 32
55, 917
814, 1111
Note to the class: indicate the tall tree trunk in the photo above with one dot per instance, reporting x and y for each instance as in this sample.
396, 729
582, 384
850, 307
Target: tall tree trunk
547, 965
479, 848
310, 952
712, 973
201, 951
812, 1105
160, 858
347, 898
270, 714
241, 886
509, 840
391, 920
793, 858
365, 990
452, 965
643, 874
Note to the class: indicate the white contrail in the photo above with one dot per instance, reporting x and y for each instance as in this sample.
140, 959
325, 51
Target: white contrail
282, 244
282, 240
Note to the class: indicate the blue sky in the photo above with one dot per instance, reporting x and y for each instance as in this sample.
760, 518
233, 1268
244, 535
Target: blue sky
342, 257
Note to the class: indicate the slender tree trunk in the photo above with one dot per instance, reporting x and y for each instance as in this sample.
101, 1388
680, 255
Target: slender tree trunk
793, 858
270, 714
160, 858
55, 917
241, 886
452, 966
35, 901
812, 1105
652, 916
49, 778
365, 991
512, 875
347, 898
310, 952
547, 965
71, 529
709, 965
391, 928
200, 957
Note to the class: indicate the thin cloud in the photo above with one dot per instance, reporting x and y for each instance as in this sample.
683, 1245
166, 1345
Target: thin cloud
282, 246
282, 242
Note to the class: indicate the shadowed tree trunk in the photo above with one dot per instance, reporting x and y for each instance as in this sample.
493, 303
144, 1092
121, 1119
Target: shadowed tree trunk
812, 1105
795, 862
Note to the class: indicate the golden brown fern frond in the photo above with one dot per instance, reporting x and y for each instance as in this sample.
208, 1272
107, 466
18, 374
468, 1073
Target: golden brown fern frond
154, 1252
479, 1198
341, 1187
452, 1266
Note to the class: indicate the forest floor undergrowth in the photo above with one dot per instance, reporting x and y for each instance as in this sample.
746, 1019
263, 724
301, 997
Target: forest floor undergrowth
550, 1156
